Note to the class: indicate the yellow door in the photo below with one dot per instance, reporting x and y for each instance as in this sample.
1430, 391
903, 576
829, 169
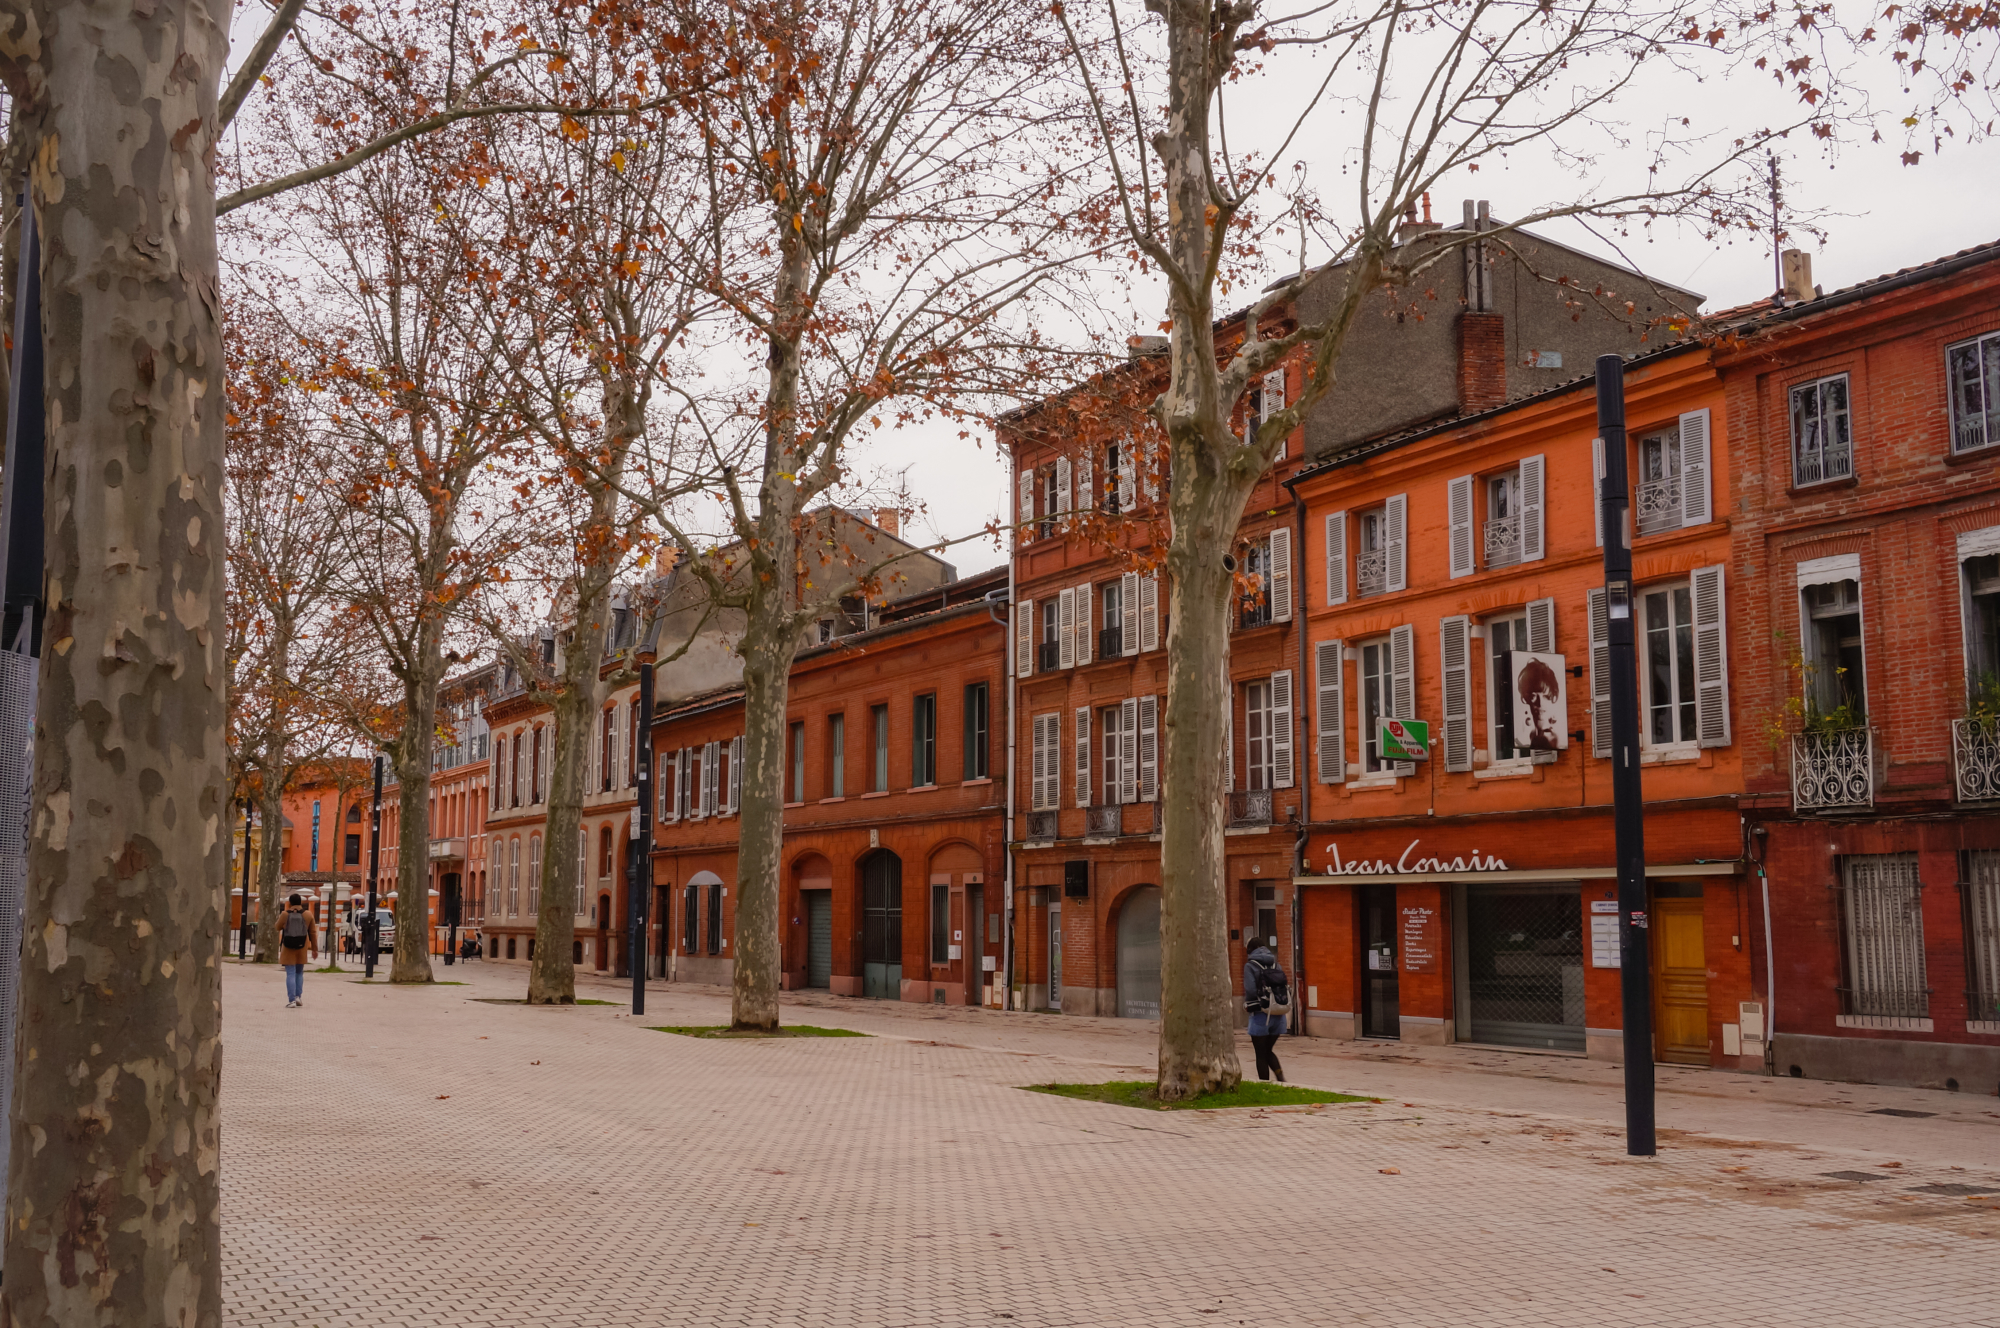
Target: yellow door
1680, 983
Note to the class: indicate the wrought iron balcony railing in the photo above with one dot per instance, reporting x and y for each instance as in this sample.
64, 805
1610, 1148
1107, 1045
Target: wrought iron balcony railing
1659, 505
1250, 807
1107, 820
1110, 642
1815, 466
1371, 572
1503, 541
1041, 826
1831, 771
1975, 759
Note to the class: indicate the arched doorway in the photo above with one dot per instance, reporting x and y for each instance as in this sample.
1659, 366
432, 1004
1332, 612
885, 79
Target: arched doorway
882, 925
1139, 954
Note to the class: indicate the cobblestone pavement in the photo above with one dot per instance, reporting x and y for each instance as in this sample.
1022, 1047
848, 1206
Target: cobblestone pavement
404, 1156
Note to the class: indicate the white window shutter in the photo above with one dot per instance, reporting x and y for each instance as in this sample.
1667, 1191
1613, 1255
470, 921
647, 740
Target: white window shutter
1036, 733
1331, 726
1279, 584
1711, 651
1083, 756
1024, 638
1336, 558
1533, 470
1086, 493
1149, 611
1086, 624
1229, 726
1274, 401
687, 783
1455, 673
673, 808
1697, 502
711, 776
1066, 629
1600, 676
1128, 749
1149, 748
1282, 773
698, 793
1597, 487
1396, 512
1458, 502
1542, 627
1128, 609
1062, 502
1403, 681
1027, 531
735, 773
1127, 463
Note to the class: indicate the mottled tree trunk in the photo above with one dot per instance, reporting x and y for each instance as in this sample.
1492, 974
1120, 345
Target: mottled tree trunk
413, 843
112, 1189
769, 644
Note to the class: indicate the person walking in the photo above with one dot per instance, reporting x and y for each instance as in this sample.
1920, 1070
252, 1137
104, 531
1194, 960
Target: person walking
1267, 995
295, 940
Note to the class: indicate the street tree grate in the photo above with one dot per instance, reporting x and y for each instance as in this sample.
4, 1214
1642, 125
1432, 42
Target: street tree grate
1855, 1175
1955, 1188
1904, 1112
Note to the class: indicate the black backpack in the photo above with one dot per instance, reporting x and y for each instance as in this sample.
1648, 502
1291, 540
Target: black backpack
1277, 992
296, 940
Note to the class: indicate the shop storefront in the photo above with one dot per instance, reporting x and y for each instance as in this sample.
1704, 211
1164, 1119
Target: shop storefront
1506, 936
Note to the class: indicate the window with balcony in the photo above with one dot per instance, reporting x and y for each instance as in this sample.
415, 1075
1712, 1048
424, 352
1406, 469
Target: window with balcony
1972, 370
1111, 629
923, 741
1113, 765
1048, 649
1822, 433
978, 719
1254, 608
879, 765
836, 756
1836, 693
1975, 736
1258, 755
1882, 943
1501, 534
1659, 491
1371, 564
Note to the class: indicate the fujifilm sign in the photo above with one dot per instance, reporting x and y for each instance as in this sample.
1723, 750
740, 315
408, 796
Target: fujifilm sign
1408, 864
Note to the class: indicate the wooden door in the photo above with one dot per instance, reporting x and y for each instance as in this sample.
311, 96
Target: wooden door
1680, 983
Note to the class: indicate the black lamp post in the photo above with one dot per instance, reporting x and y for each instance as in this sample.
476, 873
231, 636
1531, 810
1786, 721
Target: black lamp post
243, 914
639, 871
369, 922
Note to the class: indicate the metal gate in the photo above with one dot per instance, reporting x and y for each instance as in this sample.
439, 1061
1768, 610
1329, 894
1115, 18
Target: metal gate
819, 938
882, 926
1521, 975
1139, 954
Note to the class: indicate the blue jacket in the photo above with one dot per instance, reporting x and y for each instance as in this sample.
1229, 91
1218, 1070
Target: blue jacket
1260, 973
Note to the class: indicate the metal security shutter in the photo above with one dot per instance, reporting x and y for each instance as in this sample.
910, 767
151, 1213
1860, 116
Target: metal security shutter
1332, 734
819, 938
1455, 673
1882, 934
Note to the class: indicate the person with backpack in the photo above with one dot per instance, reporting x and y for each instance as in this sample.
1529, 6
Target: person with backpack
1267, 995
295, 940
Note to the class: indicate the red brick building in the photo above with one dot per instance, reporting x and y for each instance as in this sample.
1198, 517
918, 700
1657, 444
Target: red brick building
1867, 470
894, 840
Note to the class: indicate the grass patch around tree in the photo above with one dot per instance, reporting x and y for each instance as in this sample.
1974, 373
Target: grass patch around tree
384, 982
782, 1031
1249, 1093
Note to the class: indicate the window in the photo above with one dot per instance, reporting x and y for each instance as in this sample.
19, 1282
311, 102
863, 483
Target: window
1503, 519
977, 717
836, 756
1667, 619
604, 852
1049, 654
727, 757
940, 925
535, 876
1972, 371
514, 878
1982, 622
1045, 786
1046, 481
535, 764
923, 741
1835, 683
1372, 566
1257, 735
1109, 724
879, 772
1659, 492
691, 919
632, 746
796, 739
1503, 635
607, 747
352, 852
715, 917
1882, 941
668, 792
1111, 623
514, 771
1112, 497
1822, 438
1375, 687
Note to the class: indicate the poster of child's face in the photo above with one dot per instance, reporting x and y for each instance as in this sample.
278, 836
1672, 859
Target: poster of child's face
1541, 703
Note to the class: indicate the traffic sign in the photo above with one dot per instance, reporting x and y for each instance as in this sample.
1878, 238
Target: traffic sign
1405, 740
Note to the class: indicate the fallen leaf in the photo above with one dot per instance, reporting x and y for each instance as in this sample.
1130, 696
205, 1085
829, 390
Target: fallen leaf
1888, 1164
534, 1062
1735, 1169
1392, 1171
443, 1096
430, 1237
753, 1224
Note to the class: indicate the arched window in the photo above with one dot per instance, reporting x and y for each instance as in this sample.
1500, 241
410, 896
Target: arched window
514, 877
354, 814
535, 876
604, 852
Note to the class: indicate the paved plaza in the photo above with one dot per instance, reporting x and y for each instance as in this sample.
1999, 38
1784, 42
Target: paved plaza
399, 1156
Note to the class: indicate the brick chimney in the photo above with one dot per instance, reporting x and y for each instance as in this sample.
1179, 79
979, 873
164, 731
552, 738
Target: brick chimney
1482, 361
889, 519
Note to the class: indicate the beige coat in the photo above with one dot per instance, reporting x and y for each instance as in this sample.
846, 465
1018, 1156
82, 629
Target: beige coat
289, 955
